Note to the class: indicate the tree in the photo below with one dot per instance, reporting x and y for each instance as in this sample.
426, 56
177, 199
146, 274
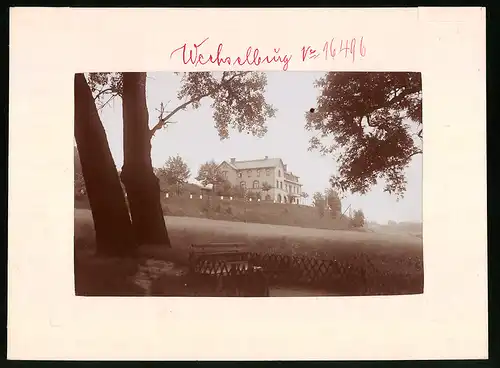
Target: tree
238, 102
79, 186
375, 120
174, 173
141, 184
266, 187
304, 195
224, 189
333, 201
209, 173
114, 235
358, 219
238, 191
253, 195
319, 202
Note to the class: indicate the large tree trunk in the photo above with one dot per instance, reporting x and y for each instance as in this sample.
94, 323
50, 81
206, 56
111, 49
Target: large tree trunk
107, 201
141, 184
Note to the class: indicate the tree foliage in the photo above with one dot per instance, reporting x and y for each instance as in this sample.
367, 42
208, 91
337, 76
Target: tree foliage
238, 99
209, 173
224, 189
333, 201
253, 195
238, 191
358, 219
318, 199
266, 187
174, 174
105, 87
319, 202
372, 122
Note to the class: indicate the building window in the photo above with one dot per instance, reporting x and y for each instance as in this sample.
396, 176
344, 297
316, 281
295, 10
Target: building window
243, 184
224, 174
279, 173
281, 185
277, 184
239, 174
258, 172
249, 173
268, 172
256, 184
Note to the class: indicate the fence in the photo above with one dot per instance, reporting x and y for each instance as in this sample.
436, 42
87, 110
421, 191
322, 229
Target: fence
355, 277
302, 201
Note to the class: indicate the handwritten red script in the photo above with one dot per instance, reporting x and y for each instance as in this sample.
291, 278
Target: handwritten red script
198, 55
336, 48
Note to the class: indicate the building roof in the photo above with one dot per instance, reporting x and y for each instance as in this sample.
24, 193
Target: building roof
260, 164
291, 177
255, 164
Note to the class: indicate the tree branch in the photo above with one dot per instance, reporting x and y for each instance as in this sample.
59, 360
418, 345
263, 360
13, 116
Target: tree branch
102, 93
234, 76
368, 121
113, 95
416, 152
161, 122
393, 100
402, 95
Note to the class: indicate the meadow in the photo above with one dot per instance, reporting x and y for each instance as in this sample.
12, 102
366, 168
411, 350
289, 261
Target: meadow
391, 263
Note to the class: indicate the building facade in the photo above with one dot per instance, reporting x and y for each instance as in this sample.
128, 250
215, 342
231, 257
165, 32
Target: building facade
268, 176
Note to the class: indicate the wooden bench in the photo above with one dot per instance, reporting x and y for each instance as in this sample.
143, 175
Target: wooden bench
230, 265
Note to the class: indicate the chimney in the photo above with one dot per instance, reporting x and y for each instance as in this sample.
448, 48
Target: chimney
233, 160
266, 157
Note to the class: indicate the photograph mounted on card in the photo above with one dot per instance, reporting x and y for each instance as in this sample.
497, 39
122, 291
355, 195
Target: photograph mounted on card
227, 162
230, 184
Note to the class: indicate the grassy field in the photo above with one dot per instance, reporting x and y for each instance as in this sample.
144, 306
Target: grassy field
393, 263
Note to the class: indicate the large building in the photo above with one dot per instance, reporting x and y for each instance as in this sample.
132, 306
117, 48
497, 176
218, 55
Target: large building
252, 175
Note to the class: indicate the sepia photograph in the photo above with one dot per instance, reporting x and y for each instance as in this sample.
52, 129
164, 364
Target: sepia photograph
222, 171
248, 184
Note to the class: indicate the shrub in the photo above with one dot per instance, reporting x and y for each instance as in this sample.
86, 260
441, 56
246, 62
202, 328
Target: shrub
358, 219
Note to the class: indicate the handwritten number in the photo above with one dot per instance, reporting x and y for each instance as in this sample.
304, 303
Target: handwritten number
344, 47
362, 49
333, 50
353, 49
325, 50
330, 49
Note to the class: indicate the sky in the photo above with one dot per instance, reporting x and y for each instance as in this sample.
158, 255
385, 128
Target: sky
195, 139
